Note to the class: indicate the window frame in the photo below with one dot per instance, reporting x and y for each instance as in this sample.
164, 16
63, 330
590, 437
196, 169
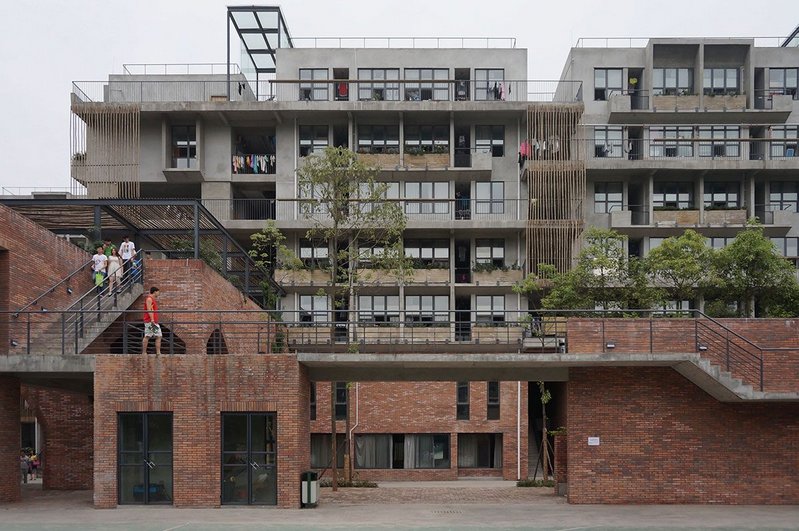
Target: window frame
313, 143
493, 401
423, 197
310, 313
487, 139
314, 255
378, 138
608, 142
682, 86
183, 140
602, 87
483, 77
602, 198
785, 144
385, 88
492, 257
462, 401
437, 83
341, 405
492, 202
390, 312
719, 141
671, 141
777, 200
495, 312
676, 189
310, 91
784, 86
426, 138
717, 195
716, 81
433, 313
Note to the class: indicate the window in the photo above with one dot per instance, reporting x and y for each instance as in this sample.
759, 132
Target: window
608, 197
725, 141
607, 81
671, 142
784, 141
490, 138
313, 309
313, 400
608, 142
783, 81
787, 247
490, 252
654, 242
313, 139
426, 198
674, 196
431, 84
184, 147
479, 450
314, 255
490, 308
427, 309
722, 195
428, 252
672, 81
310, 91
341, 400
492, 413
320, 450
408, 451
784, 195
462, 401
426, 139
378, 308
719, 243
489, 84
378, 139
718, 81
378, 84
489, 197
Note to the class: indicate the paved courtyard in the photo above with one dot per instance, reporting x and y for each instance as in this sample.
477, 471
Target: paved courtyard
438, 505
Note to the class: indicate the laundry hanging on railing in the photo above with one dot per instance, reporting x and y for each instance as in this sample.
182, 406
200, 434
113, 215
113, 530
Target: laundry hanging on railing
253, 164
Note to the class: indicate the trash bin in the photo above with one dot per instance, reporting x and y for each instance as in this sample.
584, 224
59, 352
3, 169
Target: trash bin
309, 483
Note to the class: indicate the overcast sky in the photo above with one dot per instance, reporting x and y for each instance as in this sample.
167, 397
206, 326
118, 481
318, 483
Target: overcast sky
45, 44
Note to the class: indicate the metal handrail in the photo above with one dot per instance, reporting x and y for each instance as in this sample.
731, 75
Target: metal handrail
127, 67
55, 286
297, 41
641, 42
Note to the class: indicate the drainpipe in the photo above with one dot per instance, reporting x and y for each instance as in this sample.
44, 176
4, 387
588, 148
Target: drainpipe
357, 410
518, 431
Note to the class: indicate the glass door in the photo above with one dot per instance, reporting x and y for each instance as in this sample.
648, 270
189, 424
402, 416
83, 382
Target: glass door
144, 461
249, 458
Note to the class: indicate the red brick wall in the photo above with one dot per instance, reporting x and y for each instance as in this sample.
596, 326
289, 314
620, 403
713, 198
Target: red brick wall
663, 440
10, 475
561, 459
430, 407
38, 259
198, 389
190, 285
780, 367
66, 418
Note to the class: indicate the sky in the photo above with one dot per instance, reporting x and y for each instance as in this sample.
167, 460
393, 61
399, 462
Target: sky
46, 44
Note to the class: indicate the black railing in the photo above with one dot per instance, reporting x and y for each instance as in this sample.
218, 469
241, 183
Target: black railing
64, 282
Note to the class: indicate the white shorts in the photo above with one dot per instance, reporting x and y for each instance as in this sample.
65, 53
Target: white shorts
152, 330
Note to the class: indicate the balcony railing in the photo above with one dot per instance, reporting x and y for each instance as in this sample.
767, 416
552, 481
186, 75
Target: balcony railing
693, 149
217, 88
434, 210
765, 98
404, 42
642, 42
172, 69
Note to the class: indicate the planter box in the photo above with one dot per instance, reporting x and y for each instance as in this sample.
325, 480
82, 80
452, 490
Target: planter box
728, 102
671, 103
380, 160
428, 160
720, 217
427, 334
430, 276
497, 277
309, 335
677, 217
315, 277
389, 334
497, 334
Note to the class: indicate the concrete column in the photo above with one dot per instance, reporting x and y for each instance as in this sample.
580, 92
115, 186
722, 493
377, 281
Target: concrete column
699, 75
10, 475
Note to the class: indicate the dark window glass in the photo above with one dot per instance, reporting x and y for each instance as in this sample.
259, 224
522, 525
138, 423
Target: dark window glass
493, 401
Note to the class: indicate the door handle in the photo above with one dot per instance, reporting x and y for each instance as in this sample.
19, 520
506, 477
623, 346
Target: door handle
149, 464
255, 465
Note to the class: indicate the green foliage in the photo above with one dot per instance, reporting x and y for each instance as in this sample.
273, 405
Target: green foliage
546, 396
535, 483
355, 483
488, 267
750, 268
208, 252
682, 265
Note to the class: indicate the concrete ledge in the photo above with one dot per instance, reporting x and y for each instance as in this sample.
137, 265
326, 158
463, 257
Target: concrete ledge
52, 365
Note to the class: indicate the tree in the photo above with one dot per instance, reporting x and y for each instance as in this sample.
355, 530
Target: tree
681, 264
604, 275
347, 208
750, 270
269, 251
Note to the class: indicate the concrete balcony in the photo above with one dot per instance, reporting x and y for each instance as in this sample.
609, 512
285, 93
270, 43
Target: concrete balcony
302, 277
430, 276
676, 218
497, 277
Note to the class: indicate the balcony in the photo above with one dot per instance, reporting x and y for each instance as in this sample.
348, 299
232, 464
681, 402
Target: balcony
497, 277
302, 277
634, 220
253, 164
473, 163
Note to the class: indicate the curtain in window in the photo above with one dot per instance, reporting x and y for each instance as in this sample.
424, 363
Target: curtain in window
410, 460
320, 450
467, 450
425, 451
497, 451
373, 451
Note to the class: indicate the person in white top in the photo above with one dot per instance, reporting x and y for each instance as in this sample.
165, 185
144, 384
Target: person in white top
114, 271
99, 265
127, 250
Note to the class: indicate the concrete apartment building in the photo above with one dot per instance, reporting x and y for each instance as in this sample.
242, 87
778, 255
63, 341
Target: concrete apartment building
495, 173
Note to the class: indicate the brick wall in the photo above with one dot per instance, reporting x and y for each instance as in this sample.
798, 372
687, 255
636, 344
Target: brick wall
663, 440
66, 418
10, 475
197, 389
187, 286
780, 367
430, 407
38, 259
561, 460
